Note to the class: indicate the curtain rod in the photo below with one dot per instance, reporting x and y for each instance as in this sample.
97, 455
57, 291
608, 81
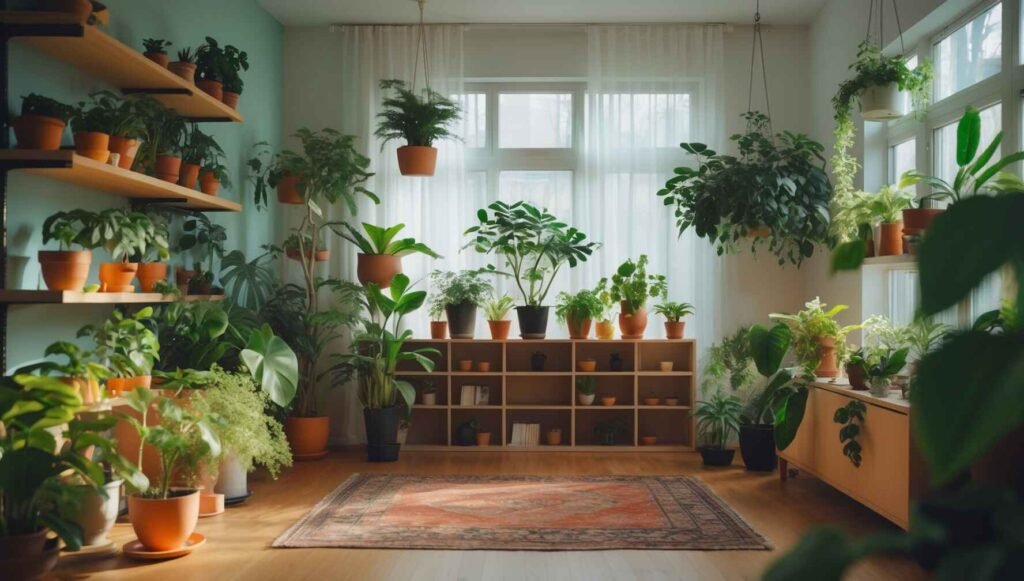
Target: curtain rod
335, 25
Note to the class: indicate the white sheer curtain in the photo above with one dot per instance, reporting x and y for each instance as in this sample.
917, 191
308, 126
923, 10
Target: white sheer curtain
650, 87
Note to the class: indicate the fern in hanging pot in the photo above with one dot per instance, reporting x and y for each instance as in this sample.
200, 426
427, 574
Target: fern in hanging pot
418, 119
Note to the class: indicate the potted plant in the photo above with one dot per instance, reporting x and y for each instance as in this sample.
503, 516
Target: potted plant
458, 295
428, 393
152, 252
92, 123
281, 171
205, 240
380, 254
292, 248
673, 312
198, 149
126, 131
377, 353
631, 286
78, 371
235, 61
156, 50
127, 347
185, 66
818, 337
717, 420
604, 328
887, 207
419, 120
124, 235
65, 269
214, 175
211, 62
857, 369
880, 372
497, 316
163, 135
585, 386
578, 311
607, 432
42, 122
438, 326
775, 192
535, 246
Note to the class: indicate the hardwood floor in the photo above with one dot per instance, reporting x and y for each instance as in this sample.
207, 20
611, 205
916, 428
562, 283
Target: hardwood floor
238, 546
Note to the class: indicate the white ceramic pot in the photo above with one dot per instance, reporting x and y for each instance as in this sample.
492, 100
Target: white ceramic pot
98, 514
585, 399
879, 387
428, 398
233, 481
882, 103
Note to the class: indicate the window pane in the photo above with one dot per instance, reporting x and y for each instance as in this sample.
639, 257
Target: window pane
535, 120
971, 54
643, 119
908, 104
473, 126
945, 141
544, 189
904, 298
903, 158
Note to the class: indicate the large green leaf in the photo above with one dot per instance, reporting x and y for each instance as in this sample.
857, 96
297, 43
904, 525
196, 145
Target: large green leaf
848, 255
768, 347
789, 416
823, 555
968, 136
273, 365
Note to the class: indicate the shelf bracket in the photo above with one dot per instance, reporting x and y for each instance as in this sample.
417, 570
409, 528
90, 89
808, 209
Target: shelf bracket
53, 30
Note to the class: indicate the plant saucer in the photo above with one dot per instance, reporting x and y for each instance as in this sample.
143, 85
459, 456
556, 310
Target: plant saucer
237, 499
313, 456
136, 550
98, 550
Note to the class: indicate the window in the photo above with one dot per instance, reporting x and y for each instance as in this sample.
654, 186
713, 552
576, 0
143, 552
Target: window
902, 158
534, 120
971, 54
544, 189
473, 126
945, 141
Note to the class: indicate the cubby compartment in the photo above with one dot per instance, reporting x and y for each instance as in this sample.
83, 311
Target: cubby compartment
540, 390
682, 354
488, 419
492, 383
601, 352
490, 352
618, 386
671, 427
440, 360
548, 420
439, 383
557, 355
593, 423
428, 427
664, 387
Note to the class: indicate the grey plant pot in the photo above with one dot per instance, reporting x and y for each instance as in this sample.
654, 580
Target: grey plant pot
233, 480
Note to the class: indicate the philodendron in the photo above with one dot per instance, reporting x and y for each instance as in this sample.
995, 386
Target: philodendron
420, 121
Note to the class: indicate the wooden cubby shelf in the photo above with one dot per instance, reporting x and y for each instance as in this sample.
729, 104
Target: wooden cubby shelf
90, 49
67, 166
516, 393
47, 297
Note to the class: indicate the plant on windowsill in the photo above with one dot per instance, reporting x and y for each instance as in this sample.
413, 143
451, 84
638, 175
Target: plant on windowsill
578, 311
457, 296
631, 287
535, 246
497, 316
42, 122
380, 254
882, 368
818, 339
673, 313
420, 121
127, 347
775, 191
718, 419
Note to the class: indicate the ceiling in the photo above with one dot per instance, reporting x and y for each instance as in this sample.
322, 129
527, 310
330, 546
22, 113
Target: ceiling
323, 12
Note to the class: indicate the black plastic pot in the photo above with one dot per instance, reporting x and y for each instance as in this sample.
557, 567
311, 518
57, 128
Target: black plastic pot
533, 321
757, 446
537, 361
382, 433
465, 433
715, 456
461, 320
615, 362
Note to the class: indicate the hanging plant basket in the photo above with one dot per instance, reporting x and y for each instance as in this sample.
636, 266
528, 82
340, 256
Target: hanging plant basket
417, 160
883, 103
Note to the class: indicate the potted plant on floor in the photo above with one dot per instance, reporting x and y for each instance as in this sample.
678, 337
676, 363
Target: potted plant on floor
585, 387
673, 313
420, 121
66, 269
818, 339
126, 346
578, 311
458, 295
92, 123
631, 287
535, 246
380, 254
156, 50
185, 66
42, 122
163, 136
377, 352
717, 420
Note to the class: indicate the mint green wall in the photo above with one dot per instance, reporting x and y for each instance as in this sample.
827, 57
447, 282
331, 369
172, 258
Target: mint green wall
242, 23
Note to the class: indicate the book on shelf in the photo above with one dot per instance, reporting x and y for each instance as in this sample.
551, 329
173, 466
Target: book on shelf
525, 435
474, 395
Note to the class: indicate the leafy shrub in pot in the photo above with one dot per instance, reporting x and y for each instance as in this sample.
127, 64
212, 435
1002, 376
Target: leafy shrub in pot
718, 419
42, 122
818, 339
156, 50
419, 120
458, 295
578, 311
632, 286
497, 316
66, 269
673, 313
380, 256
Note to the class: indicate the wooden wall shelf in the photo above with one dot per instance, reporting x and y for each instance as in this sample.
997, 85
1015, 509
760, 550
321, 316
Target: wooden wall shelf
92, 50
67, 166
47, 297
548, 397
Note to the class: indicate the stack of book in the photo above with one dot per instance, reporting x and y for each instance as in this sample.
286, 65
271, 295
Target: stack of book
525, 435
473, 395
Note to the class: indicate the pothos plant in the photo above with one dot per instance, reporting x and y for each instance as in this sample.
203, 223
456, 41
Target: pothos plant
776, 181
851, 418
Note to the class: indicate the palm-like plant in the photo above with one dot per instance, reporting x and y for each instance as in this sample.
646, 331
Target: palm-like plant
718, 419
497, 309
673, 311
420, 120
381, 241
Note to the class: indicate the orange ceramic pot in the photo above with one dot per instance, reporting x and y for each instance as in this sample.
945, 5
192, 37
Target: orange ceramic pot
93, 144
890, 242
674, 329
126, 148
164, 524
377, 268
632, 326
186, 71
828, 367
917, 220
160, 58
578, 329
65, 270
39, 132
554, 437
168, 168
499, 329
188, 175
208, 183
465, 365
231, 99
119, 385
417, 160
210, 503
648, 440
212, 88
438, 330
117, 277
605, 330
586, 365
483, 438
307, 436
322, 255
608, 400
150, 273
288, 190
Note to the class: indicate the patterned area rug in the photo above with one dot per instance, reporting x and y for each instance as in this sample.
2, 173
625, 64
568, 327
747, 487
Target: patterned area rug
518, 513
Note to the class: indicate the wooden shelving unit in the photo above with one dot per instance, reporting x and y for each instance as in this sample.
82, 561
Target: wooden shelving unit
90, 49
47, 297
548, 397
67, 166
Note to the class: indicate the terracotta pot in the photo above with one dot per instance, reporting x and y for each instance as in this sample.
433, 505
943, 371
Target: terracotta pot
377, 268
857, 377
160, 58
97, 514
674, 329
416, 160
210, 503
320, 256
890, 241
126, 148
39, 132
182, 278
652, 401
648, 440
212, 88
500, 329
578, 329
605, 330
632, 326
585, 398
231, 99
483, 366
118, 385
483, 438
288, 190
164, 524
670, 401
117, 277
917, 220
186, 71
87, 388
188, 174
554, 437
208, 183
28, 557
150, 273
65, 270
759, 232
586, 365
168, 168
93, 144
307, 436
465, 365
827, 353
666, 366
80, 9
608, 400
438, 330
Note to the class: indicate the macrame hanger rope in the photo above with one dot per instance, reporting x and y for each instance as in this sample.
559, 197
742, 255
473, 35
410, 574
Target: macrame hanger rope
757, 42
881, 23
422, 47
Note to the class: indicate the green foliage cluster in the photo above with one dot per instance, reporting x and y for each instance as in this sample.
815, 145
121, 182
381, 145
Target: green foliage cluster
458, 288
497, 309
730, 364
718, 419
36, 104
224, 64
581, 306
632, 286
419, 120
673, 311
380, 240
851, 417
125, 344
811, 325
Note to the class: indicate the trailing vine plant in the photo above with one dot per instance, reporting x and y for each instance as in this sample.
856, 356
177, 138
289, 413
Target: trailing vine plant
851, 417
